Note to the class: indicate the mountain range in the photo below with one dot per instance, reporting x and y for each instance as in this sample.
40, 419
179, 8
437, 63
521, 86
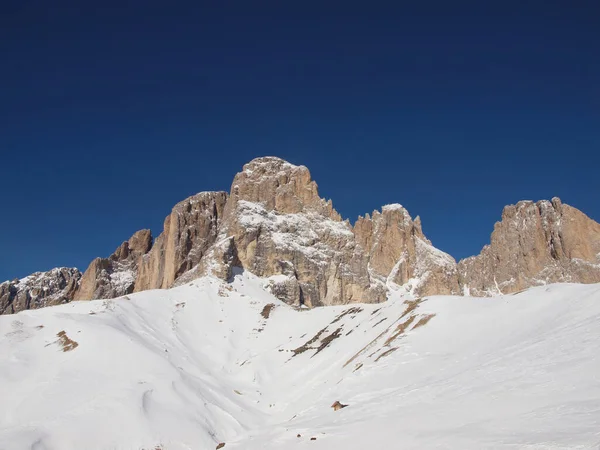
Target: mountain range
274, 224
210, 336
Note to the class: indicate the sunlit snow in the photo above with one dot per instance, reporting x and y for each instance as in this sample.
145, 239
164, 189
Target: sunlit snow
210, 362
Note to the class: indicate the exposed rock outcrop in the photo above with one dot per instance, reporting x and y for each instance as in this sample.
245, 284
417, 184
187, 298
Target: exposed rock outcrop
533, 244
276, 225
400, 254
115, 276
189, 231
39, 289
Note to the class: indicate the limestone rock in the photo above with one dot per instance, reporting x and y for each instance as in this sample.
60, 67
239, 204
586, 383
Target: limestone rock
533, 244
189, 231
115, 276
279, 186
39, 289
400, 254
276, 225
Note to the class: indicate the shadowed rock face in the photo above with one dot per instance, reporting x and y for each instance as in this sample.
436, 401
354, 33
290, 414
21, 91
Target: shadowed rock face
38, 290
115, 276
274, 224
533, 244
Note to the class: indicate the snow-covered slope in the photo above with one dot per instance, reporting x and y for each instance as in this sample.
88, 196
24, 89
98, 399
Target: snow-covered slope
209, 363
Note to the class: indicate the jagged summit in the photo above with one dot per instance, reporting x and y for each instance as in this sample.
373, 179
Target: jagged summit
280, 186
274, 224
401, 256
268, 162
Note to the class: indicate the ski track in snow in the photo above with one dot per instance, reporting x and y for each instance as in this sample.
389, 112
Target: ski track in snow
190, 367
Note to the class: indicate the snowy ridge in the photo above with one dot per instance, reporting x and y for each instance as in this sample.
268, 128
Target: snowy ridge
39, 280
210, 362
427, 253
39, 289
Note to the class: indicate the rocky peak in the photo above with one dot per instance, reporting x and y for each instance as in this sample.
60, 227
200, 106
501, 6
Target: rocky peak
39, 289
535, 243
399, 254
276, 225
115, 276
279, 186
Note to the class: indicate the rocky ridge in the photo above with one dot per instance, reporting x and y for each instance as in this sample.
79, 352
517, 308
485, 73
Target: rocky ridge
274, 224
115, 276
534, 244
39, 289
401, 256
189, 231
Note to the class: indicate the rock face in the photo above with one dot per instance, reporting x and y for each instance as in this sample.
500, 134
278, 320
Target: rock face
189, 231
115, 276
533, 244
276, 225
39, 289
400, 254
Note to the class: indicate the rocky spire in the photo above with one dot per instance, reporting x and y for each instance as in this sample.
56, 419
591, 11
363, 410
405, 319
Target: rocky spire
189, 231
400, 255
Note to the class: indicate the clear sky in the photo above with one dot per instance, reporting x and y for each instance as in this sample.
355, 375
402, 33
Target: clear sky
111, 112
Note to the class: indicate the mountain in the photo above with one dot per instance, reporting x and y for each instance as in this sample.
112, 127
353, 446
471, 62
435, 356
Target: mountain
535, 244
274, 224
214, 362
39, 289
401, 256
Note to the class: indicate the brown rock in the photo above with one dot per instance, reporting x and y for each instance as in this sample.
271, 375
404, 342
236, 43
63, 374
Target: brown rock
189, 231
534, 244
400, 254
276, 225
337, 405
115, 276
38, 290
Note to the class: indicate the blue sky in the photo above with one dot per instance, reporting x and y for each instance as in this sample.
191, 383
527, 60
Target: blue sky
111, 113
